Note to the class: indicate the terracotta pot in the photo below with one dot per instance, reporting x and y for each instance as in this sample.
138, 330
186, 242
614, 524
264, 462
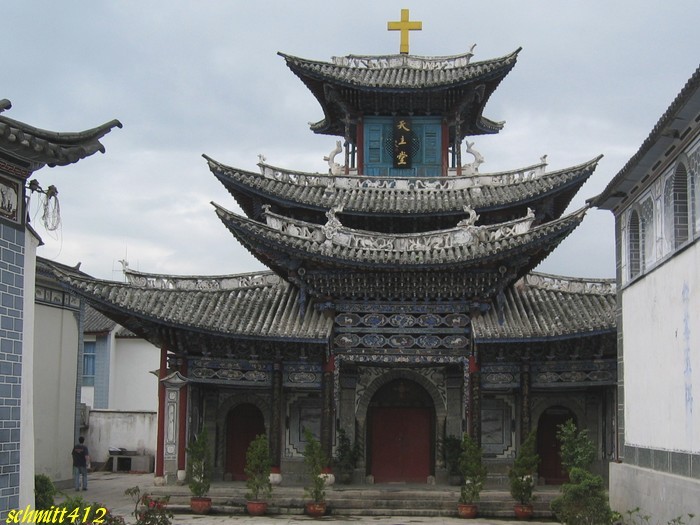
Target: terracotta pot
256, 508
200, 505
316, 509
467, 510
523, 512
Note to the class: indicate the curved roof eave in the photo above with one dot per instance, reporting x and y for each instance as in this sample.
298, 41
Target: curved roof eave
314, 195
259, 238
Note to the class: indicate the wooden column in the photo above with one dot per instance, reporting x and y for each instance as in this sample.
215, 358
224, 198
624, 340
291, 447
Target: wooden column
360, 146
525, 422
160, 439
475, 412
276, 416
327, 412
182, 420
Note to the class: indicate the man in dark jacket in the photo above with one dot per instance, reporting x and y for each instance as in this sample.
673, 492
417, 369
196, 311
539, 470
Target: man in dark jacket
81, 462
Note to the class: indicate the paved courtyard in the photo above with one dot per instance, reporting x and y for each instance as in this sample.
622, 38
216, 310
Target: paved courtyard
108, 489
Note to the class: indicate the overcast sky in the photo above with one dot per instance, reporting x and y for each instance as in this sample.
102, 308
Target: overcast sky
193, 77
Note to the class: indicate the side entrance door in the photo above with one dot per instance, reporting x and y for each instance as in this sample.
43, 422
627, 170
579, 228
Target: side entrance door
548, 446
244, 423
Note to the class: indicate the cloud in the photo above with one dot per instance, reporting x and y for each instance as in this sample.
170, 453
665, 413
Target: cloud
188, 78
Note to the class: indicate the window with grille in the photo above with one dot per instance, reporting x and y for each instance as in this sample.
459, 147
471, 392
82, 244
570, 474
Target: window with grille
633, 245
89, 363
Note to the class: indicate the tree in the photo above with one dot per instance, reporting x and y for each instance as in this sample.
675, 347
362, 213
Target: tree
583, 500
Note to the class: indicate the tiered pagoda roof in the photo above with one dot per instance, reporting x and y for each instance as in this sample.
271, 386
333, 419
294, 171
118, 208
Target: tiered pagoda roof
543, 307
335, 239
217, 311
38, 147
349, 87
497, 197
331, 260
212, 311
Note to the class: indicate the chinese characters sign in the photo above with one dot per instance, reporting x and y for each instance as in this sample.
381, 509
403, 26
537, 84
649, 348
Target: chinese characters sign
402, 142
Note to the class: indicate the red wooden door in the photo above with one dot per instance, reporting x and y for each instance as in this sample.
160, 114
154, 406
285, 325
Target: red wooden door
245, 422
400, 444
549, 447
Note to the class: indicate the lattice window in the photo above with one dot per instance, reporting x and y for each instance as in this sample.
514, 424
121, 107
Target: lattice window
680, 206
633, 245
668, 220
694, 180
647, 235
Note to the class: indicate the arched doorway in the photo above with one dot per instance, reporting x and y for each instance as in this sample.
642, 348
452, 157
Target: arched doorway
243, 423
548, 445
401, 419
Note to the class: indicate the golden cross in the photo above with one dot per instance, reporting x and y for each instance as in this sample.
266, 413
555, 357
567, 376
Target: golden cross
404, 26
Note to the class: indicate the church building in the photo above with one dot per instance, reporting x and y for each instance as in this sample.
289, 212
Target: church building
399, 303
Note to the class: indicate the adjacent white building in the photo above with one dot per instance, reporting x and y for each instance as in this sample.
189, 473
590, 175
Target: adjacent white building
91, 377
656, 202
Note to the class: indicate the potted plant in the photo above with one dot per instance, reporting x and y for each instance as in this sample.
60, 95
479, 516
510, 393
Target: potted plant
257, 469
522, 476
315, 460
345, 458
199, 473
473, 473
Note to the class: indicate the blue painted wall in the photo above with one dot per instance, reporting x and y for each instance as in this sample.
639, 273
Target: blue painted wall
11, 315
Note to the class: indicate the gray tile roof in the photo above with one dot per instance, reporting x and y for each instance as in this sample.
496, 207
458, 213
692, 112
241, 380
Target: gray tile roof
334, 245
49, 147
453, 87
268, 310
673, 125
96, 322
544, 307
537, 307
408, 196
401, 71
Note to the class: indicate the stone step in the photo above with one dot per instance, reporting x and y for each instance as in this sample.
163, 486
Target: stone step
363, 501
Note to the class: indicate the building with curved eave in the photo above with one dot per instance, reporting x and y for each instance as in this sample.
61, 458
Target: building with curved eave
655, 198
400, 305
25, 149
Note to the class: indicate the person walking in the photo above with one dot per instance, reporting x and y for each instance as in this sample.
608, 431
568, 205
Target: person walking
81, 462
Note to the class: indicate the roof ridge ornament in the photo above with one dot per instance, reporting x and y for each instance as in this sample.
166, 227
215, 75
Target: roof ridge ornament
404, 26
473, 167
333, 167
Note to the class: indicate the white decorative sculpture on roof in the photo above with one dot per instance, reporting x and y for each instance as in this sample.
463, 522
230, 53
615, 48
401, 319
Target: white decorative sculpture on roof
471, 219
473, 167
333, 167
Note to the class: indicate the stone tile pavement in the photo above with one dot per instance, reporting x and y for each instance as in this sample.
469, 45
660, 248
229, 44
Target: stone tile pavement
108, 489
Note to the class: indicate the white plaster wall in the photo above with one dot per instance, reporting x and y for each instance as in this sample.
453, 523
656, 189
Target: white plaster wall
661, 331
657, 494
112, 428
133, 387
87, 395
55, 375
26, 451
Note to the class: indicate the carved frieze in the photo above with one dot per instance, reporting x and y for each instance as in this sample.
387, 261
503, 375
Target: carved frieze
574, 373
302, 375
230, 371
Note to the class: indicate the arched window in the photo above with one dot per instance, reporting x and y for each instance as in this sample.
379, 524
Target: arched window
647, 248
694, 178
681, 217
633, 245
